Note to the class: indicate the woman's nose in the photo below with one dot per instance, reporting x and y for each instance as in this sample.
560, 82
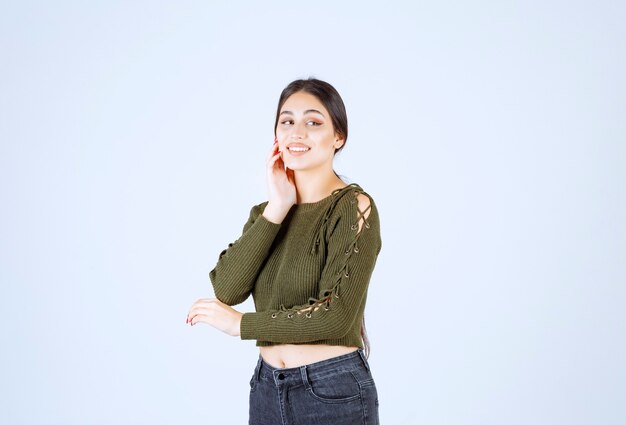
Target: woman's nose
298, 131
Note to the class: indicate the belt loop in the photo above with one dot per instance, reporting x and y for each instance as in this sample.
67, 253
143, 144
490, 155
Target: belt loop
305, 378
365, 363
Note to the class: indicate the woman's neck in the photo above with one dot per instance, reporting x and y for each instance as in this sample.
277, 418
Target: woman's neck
315, 186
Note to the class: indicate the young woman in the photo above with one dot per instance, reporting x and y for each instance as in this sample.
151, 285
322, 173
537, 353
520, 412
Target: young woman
306, 255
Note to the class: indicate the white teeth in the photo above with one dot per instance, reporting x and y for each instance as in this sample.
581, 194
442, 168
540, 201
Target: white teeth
298, 149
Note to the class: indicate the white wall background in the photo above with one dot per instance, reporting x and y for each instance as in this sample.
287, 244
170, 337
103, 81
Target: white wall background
491, 135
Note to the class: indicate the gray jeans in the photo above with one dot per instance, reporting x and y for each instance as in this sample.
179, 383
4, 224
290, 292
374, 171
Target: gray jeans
336, 391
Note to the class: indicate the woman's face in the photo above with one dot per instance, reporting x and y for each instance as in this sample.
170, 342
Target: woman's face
305, 133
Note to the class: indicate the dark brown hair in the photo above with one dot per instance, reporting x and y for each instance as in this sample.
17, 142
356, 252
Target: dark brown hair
327, 95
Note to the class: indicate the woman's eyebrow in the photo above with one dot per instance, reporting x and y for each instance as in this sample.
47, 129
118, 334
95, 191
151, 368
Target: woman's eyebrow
305, 112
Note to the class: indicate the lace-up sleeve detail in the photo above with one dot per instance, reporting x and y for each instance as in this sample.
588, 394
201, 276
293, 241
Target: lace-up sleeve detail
239, 264
353, 243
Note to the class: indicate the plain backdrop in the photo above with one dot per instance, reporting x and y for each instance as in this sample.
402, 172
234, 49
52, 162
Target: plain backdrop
491, 134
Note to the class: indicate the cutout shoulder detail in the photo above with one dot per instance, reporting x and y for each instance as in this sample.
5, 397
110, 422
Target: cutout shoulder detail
364, 207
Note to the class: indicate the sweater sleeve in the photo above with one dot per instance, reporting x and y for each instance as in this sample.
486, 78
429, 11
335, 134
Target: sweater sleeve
239, 264
353, 248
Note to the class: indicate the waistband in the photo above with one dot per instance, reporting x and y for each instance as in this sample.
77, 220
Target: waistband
317, 370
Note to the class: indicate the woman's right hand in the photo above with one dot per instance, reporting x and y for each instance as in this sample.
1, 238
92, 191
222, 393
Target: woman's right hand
281, 187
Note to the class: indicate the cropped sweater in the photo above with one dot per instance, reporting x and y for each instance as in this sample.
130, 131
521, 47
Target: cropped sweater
308, 275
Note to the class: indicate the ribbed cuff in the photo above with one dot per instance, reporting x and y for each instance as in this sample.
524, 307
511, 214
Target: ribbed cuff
265, 228
249, 325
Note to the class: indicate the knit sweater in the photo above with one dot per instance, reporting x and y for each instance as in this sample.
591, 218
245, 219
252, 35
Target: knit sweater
308, 275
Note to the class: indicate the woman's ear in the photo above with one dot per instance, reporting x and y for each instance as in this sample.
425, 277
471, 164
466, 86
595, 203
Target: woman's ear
338, 142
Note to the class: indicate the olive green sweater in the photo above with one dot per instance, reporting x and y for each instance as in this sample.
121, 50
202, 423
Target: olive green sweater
308, 275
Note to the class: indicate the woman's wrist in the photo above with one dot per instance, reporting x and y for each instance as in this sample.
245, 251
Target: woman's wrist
275, 213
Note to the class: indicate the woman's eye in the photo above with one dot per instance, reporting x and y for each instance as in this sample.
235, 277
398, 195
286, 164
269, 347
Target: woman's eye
309, 123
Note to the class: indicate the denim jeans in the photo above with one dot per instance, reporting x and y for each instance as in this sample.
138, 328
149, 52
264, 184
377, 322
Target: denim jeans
336, 391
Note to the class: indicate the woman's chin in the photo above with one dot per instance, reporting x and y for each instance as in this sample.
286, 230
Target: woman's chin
296, 165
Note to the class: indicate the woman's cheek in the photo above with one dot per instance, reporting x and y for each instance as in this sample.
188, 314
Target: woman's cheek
280, 136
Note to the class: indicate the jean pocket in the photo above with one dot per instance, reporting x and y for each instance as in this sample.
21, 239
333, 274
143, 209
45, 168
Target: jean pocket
337, 388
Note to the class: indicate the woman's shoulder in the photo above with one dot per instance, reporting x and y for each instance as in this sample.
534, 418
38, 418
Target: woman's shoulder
354, 194
354, 202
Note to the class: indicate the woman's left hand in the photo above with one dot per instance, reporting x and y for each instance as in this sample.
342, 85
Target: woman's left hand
217, 314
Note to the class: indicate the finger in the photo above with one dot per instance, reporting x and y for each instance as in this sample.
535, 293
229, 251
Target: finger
201, 318
271, 153
273, 161
199, 303
196, 303
280, 163
200, 315
197, 319
206, 311
203, 304
275, 148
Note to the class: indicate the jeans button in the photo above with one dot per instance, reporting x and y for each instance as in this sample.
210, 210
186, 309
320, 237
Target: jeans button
281, 376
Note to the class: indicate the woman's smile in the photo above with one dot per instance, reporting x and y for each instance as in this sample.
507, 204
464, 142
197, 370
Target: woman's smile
297, 149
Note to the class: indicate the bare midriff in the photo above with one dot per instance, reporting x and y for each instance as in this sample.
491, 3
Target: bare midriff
288, 355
